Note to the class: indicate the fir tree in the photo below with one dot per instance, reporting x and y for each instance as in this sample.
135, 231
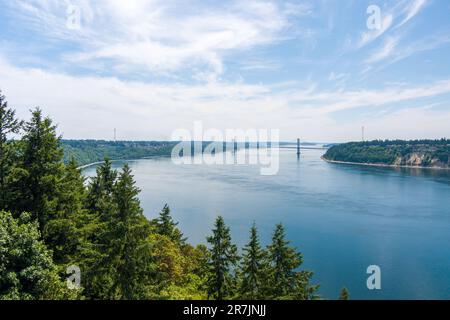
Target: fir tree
284, 260
253, 268
102, 211
344, 295
285, 282
8, 125
125, 270
222, 260
100, 190
39, 170
167, 227
66, 233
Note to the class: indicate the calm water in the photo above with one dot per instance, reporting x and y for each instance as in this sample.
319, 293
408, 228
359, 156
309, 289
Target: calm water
343, 218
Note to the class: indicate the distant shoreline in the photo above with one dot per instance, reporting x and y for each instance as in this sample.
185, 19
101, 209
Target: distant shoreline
84, 166
89, 164
381, 165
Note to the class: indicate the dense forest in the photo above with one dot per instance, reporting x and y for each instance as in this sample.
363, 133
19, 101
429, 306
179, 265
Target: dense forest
52, 221
90, 151
420, 153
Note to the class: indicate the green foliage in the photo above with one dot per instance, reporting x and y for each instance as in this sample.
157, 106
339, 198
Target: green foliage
165, 225
223, 258
38, 171
129, 254
123, 269
66, 233
253, 268
100, 191
284, 281
344, 295
90, 151
8, 125
26, 267
432, 152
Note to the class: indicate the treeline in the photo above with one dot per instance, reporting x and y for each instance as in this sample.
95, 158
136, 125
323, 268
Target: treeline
398, 152
52, 221
90, 151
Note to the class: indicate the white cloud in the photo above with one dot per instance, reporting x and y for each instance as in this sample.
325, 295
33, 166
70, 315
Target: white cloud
155, 37
391, 49
259, 64
408, 8
369, 36
159, 36
412, 10
421, 124
385, 51
330, 101
90, 107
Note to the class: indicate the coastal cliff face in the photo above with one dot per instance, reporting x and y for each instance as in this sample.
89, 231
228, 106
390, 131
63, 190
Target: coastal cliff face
417, 153
420, 160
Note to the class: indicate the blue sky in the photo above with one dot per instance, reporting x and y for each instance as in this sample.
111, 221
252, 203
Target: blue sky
312, 69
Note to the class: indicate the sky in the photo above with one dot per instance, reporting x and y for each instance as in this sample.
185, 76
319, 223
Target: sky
318, 70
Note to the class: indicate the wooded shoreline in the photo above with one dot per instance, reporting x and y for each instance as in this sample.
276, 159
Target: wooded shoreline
382, 165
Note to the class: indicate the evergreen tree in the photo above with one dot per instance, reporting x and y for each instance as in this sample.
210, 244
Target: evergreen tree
39, 171
253, 268
344, 295
284, 260
100, 191
68, 231
167, 227
26, 267
101, 209
223, 258
285, 282
125, 270
107, 176
8, 125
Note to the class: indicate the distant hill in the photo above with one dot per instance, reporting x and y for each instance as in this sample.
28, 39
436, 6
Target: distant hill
415, 153
89, 151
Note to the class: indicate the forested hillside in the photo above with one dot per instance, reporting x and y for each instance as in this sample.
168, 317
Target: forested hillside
415, 153
89, 151
51, 221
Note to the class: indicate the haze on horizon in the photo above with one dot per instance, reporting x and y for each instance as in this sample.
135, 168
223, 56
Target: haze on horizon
312, 69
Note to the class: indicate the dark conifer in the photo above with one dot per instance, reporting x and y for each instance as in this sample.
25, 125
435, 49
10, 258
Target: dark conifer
222, 261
